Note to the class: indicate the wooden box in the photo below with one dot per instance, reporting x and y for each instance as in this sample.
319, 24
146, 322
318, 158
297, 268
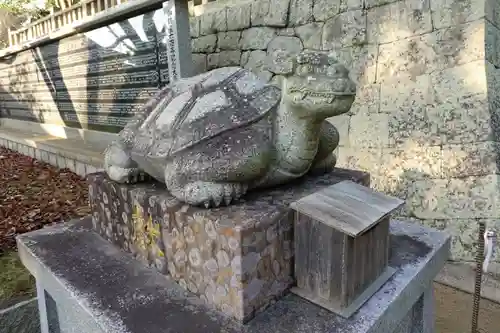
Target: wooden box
342, 245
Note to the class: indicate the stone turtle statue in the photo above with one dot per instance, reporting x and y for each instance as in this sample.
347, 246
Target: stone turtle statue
213, 136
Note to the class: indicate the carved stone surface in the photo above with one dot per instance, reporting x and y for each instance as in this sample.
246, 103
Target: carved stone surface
237, 258
211, 137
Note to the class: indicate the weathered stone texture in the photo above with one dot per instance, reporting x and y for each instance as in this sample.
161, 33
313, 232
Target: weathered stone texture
194, 26
301, 12
448, 13
405, 94
204, 44
212, 61
367, 99
238, 17
416, 127
346, 5
398, 20
199, 63
472, 159
361, 61
427, 53
213, 22
228, 40
229, 58
310, 35
345, 29
376, 3
257, 63
279, 51
369, 130
286, 32
470, 197
417, 162
361, 158
257, 38
270, 13
464, 238
325, 9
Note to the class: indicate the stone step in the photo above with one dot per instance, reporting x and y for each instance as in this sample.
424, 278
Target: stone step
88, 285
77, 153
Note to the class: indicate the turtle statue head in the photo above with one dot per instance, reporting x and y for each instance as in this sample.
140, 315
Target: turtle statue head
317, 86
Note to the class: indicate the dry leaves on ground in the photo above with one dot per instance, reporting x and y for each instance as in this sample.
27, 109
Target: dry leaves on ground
34, 194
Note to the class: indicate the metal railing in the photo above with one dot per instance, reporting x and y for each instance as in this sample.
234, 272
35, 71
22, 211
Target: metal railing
57, 20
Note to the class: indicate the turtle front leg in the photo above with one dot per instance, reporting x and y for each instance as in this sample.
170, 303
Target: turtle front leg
209, 194
325, 159
119, 165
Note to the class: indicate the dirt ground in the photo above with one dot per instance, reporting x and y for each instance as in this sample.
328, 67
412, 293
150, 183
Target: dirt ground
454, 312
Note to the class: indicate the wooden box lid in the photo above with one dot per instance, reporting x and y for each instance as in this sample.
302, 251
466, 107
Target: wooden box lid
347, 207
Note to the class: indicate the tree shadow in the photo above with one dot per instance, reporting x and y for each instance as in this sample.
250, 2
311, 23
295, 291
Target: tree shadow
119, 75
15, 100
124, 91
43, 56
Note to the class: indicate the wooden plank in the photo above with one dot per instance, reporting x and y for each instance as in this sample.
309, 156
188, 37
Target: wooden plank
319, 250
347, 207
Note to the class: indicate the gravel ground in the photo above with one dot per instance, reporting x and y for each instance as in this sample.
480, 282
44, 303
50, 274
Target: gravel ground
454, 312
34, 194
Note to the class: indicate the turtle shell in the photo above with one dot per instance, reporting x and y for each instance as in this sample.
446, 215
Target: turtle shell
204, 106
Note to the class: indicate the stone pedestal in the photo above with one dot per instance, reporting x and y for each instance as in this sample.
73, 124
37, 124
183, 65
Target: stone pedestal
88, 285
238, 259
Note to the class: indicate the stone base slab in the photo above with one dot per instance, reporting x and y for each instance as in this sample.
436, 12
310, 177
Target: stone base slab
236, 258
89, 285
346, 312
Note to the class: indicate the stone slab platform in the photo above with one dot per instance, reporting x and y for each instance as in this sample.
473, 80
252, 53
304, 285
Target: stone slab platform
236, 258
89, 285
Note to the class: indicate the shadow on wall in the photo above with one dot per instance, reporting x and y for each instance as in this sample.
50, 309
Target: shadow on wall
55, 86
95, 80
133, 45
14, 96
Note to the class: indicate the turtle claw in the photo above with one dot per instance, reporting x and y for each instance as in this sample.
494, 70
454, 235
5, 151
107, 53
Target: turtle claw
213, 194
217, 201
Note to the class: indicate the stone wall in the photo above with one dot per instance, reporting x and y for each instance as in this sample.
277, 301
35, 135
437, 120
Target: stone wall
425, 119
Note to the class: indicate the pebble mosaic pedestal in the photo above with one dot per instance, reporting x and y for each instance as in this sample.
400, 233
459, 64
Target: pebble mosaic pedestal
236, 258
